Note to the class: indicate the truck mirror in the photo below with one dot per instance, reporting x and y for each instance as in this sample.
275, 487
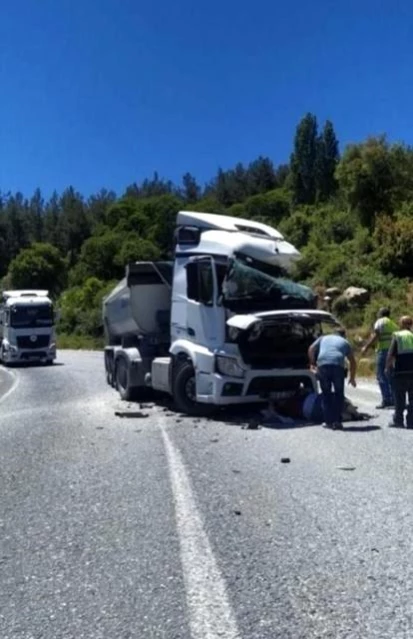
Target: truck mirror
192, 281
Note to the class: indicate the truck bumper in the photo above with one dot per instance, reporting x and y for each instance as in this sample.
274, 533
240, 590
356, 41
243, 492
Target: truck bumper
12, 355
256, 386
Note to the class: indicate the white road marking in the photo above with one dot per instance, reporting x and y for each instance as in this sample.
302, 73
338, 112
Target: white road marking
210, 612
13, 387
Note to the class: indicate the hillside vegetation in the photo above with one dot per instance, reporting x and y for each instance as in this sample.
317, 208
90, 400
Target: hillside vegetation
351, 215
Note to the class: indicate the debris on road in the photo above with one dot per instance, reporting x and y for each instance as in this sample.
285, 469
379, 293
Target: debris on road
254, 424
346, 467
214, 440
237, 512
137, 414
285, 460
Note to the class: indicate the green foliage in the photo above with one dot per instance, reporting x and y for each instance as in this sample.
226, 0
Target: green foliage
303, 165
352, 219
80, 307
41, 266
394, 240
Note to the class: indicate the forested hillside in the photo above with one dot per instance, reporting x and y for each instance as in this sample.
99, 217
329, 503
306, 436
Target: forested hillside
351, 216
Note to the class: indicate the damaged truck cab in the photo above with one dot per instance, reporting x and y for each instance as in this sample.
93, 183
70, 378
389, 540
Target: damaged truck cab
222, 324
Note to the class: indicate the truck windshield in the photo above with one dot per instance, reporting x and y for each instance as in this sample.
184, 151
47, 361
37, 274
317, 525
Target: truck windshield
31, 316
252, 285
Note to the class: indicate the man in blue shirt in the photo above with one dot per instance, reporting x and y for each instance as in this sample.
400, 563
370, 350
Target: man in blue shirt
328, 355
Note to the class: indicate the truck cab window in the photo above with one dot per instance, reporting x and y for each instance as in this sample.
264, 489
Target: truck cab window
200, 282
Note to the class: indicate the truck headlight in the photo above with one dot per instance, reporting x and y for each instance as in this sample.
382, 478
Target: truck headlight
228, 366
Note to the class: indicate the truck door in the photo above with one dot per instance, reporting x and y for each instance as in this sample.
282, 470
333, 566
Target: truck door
205, 318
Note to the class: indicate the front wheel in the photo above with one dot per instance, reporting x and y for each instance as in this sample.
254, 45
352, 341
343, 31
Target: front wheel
184, 392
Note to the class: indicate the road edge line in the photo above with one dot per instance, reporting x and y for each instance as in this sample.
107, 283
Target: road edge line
210, 612
16, 380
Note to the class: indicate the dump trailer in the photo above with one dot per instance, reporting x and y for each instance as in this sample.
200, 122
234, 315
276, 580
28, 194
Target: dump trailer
27, 327
220, 324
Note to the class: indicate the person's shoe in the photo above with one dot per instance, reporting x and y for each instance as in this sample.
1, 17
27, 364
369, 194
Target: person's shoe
337, 426
393, 424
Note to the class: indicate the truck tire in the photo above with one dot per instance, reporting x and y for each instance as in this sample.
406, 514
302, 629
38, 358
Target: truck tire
109, 370
122, 379
184, 392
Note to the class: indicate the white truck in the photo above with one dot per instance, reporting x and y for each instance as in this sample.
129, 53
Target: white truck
27, 327
221, 324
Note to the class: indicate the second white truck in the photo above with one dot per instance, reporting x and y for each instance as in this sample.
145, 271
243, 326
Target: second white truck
27, 327
221, 324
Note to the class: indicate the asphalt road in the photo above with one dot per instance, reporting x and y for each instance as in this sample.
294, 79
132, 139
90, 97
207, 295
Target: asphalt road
162, 526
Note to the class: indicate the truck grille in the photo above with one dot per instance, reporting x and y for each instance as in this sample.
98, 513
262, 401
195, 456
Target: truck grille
265, 385
25, 342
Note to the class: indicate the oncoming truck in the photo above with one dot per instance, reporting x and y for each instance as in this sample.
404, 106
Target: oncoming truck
220, 324
27, 327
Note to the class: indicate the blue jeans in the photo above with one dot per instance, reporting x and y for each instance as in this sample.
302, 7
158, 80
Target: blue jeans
384, 380
332, 377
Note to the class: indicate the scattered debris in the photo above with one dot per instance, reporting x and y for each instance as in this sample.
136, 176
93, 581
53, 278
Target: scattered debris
138, 414
214, 440
236, 471
346, 467
99, 427
237, 512
285, 460
374, 550
254, 424
178, 421
139, 430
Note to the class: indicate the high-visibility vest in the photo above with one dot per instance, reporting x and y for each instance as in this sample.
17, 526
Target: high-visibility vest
386, 333
404, 357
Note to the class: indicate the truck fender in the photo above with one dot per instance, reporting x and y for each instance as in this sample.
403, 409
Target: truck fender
201, 358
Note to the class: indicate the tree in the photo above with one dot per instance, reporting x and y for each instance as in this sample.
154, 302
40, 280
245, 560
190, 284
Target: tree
303, 161
36, 217
261, 176
191, 191
51, 221
366, 177
326, 162
73, 227
41, 266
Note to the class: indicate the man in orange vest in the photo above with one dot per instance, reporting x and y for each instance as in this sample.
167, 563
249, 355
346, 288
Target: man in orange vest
382, 336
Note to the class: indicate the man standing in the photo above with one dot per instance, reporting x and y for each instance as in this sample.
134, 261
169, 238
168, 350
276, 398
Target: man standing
327, 356
382, 335
400, 360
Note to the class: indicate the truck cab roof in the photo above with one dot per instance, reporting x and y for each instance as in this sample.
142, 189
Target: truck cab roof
224, 235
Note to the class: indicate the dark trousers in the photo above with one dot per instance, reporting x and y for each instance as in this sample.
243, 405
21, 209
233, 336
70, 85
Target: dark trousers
331, 378
402, 388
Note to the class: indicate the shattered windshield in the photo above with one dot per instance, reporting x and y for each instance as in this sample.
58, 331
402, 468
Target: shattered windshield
247, 284
31, 316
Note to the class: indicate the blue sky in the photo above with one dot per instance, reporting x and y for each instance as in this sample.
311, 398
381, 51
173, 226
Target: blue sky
99, 93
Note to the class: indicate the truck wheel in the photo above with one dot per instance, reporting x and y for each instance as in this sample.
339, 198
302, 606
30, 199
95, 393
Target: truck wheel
126, 391
109, 370
184, 392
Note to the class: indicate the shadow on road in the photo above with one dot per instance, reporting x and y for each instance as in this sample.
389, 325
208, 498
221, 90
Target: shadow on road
17, 365
360, 429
